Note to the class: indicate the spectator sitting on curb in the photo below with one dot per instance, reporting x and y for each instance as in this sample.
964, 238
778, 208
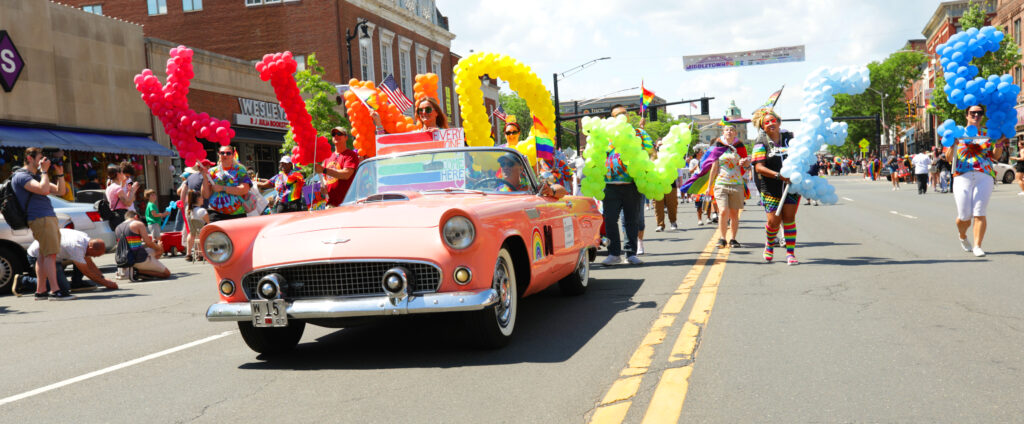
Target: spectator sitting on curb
137, 249
76, 247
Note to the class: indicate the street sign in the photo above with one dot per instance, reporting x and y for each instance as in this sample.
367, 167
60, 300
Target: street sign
863, 149
11, 63
864, 143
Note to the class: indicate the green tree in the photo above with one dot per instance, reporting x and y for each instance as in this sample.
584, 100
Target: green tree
320, 103
890, 77
998, 62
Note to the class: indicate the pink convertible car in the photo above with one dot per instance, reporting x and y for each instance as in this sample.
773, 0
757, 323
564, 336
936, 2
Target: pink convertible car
458, 230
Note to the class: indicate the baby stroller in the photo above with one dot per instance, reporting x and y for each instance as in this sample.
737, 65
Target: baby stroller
944, 182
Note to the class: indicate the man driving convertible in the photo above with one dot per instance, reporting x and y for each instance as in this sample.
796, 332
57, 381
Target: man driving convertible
514, 175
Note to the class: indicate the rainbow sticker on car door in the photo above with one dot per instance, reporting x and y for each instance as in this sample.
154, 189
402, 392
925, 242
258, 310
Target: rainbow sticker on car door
538, 245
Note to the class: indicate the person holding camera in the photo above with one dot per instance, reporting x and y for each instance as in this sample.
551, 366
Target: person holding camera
31, 186
121, 191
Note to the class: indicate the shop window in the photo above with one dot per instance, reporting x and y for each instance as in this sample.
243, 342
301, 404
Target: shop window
97, 9
192, 5
157, 7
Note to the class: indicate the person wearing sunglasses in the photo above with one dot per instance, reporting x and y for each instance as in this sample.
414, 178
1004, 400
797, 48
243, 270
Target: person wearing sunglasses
338, 168
973, 179
770, 149
430, 115
227, 186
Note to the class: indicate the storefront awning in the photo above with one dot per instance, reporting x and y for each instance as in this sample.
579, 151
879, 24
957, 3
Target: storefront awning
80, 141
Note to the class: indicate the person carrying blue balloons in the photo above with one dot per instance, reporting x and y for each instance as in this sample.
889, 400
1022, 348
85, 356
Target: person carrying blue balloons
973, 177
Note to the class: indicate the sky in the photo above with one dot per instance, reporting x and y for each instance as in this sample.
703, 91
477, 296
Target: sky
646, 39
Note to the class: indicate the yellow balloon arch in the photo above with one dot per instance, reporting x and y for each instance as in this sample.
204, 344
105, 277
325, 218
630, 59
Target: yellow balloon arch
520, 79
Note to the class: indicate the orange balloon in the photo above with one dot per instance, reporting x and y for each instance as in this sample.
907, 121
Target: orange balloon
353, 82
418, 87
432, 78
420, 77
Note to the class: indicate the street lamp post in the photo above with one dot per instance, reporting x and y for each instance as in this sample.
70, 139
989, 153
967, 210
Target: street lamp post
885, 130
352, 34
558, 108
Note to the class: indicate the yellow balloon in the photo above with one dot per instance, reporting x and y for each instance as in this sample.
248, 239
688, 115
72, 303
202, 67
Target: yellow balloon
521, 79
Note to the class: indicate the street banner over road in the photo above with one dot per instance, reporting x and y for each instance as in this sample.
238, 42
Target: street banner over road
745, 58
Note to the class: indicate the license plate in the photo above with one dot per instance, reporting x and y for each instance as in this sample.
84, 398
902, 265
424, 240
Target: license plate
269, 313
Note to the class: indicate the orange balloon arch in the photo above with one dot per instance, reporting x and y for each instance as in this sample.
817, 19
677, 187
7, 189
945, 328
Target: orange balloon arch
364, 131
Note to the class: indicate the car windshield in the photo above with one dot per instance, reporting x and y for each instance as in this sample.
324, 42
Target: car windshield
498, 171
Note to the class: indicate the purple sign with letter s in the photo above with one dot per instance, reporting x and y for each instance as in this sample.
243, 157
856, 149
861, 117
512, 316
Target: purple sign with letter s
11, 63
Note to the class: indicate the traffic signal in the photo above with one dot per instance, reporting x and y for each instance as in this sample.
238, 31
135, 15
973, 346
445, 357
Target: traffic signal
911, 108
704, 108
654, 114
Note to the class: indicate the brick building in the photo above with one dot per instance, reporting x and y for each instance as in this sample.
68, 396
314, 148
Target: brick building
1009, 14
944, 22
399, 38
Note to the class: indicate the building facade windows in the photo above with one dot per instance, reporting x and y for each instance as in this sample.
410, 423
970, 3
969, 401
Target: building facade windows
1016, 31
300, 61
157, 7
387, 55
404, 67
191, 5
96, 9
435, 67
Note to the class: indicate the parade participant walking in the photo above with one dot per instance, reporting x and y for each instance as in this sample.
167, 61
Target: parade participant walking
894, 173
288, 184
31, 186
729, 184
621, 197
770, 149
921, 164
973, 180
670, 202
338, 168
226, 187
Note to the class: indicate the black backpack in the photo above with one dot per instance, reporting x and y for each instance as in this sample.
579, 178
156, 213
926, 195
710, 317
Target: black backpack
103, 207
15, 215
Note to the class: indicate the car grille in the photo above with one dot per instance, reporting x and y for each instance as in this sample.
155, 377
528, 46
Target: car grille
334, 279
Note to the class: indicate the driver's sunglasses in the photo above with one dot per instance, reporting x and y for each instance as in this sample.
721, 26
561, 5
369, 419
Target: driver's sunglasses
225, 153
976, 113
427, 109
511, 132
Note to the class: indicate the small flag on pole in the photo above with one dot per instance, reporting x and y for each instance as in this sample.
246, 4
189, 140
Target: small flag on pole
647, 97
545, 146
369, 97
395, 95
773, 99
500, 113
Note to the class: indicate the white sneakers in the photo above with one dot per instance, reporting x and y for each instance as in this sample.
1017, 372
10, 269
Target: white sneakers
967, 248
612, 260
659, 229
673, 227
633, 260
978, 252
964, 244
639, 248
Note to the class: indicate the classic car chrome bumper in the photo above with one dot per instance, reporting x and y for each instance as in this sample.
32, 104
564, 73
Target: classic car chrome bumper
364, 306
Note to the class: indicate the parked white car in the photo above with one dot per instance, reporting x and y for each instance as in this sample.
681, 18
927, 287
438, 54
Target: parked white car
13, 244
86, 219
1004, 172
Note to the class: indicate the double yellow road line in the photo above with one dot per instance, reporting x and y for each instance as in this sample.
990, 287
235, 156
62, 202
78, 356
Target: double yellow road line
667, 401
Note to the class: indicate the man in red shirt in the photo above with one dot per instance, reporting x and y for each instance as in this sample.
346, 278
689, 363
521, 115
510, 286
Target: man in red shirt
339, 167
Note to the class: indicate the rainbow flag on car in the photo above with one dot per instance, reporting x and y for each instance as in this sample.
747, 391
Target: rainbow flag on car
545, 145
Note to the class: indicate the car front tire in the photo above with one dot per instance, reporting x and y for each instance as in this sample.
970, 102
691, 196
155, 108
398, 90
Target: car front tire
12, 262
492, 327
272, 340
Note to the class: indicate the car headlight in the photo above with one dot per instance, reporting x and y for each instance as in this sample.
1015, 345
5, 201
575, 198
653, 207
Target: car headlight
218, 247
458, 232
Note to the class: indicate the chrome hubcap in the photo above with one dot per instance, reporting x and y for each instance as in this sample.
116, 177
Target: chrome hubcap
503, 310
6, 271
583, 269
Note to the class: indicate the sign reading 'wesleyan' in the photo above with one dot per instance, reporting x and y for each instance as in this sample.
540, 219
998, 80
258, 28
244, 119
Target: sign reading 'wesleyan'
260, 114
11, 63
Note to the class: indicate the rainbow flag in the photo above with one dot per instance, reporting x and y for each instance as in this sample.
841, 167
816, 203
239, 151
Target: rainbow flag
545, 146
367, 96
647, 96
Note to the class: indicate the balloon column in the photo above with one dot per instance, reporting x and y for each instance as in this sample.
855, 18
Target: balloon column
363, 131
653, 179
520, 79
169, 103
279, 69
964, 88
817, 128
426, 85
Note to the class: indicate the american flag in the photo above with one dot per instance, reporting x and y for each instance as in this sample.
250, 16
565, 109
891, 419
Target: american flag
394, 93
500, 113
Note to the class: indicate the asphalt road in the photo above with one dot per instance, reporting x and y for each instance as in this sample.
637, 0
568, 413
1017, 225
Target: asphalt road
886, 319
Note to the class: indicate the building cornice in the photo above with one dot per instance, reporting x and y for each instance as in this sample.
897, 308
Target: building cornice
403, 18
